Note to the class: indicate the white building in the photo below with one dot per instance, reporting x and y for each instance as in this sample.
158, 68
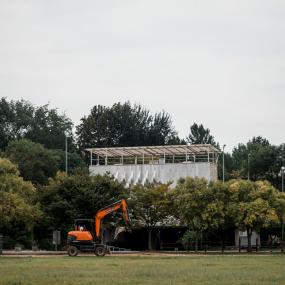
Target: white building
155, 163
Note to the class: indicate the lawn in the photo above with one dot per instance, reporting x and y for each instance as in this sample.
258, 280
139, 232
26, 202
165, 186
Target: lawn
144, 270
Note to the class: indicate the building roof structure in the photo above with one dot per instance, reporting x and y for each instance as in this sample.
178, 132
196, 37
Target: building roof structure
155, 163
195, 149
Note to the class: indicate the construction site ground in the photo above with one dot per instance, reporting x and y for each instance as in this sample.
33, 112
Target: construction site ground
27, 253
142, 268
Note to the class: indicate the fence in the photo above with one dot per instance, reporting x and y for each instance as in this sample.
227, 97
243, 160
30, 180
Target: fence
203, 246
222, 247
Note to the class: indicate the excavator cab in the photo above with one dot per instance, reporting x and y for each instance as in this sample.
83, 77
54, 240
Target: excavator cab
84, 225
83, 231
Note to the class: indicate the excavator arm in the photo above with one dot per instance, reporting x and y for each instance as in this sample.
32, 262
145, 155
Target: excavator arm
119, 205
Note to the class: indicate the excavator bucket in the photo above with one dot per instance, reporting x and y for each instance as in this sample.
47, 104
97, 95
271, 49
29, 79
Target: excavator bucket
119, 230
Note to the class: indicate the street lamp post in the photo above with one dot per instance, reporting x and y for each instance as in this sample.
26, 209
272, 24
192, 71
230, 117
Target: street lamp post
224, 163
282, 177
282, 189
66, 153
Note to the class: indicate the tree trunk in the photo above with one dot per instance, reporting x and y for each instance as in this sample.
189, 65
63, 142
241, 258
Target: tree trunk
32, 238
158, 240
249, 233
223, 240
149, 239
196, 242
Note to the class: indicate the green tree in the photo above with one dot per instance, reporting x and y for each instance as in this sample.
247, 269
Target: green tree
161, 131
49, 128
201, 135
220, 194
79, 195
279, 206
279, 161
15, 120
150, 206
124, 125
20, 119
197, 206
19, 210
252, 205
35, 162
257, 159
74, 160
229, 167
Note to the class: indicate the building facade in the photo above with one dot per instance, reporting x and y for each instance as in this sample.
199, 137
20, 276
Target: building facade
155, 163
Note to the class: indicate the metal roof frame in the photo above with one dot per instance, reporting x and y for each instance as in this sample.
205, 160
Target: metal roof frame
194, 149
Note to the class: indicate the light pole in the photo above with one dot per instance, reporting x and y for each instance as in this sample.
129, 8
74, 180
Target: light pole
224, 163
282, 177
66, 153
248, 164
282, 189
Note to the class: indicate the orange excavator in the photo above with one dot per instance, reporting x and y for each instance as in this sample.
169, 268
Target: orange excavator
81, 239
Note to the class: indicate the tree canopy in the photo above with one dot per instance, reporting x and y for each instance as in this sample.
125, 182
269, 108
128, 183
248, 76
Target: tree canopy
201, 135
35, 162
149, 206
257, 159
79, 195
20, 119
124, 125
252, 205
197, 206
32, 138
19, 210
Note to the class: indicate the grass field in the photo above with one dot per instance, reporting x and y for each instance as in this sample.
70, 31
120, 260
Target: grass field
143, 270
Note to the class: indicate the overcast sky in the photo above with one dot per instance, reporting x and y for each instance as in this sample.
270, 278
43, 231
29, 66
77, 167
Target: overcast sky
220, 63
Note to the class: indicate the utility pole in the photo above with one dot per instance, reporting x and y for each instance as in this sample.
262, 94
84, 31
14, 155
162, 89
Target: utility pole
282, 189
224, 163
66, 153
